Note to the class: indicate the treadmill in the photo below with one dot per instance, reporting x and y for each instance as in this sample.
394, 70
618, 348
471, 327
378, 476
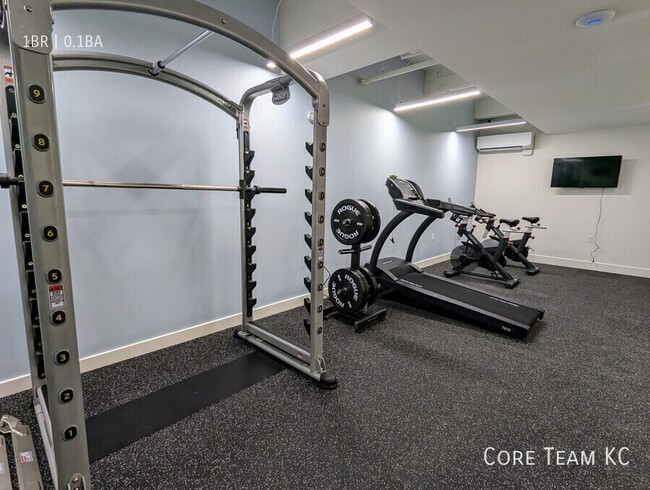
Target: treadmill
490, 311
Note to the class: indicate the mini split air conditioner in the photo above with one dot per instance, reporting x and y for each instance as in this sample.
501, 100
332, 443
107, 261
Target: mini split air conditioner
506, 142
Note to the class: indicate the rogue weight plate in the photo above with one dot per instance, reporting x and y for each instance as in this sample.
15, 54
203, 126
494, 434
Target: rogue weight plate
372, 283
376, 222
348, 290
350, 221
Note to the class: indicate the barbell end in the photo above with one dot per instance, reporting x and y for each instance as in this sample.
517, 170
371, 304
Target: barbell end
269, 190
6, 182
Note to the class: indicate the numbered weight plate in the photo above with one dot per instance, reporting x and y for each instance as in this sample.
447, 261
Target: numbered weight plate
348, 290
373, 286
350, 221
376, 222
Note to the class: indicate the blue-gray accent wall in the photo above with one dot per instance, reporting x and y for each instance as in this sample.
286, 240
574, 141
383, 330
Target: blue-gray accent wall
148, 263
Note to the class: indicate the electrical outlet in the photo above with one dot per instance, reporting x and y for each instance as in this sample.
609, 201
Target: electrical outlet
590, 239
433, 236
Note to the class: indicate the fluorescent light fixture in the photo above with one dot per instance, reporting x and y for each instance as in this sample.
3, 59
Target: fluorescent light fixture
328, 38
441, 99
490, 125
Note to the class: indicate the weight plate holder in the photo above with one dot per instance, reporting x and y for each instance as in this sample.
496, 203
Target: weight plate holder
348, 290
351, 221
353, 289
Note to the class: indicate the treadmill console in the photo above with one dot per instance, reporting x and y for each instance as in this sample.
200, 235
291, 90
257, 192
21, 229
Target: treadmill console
407, 196
404, 189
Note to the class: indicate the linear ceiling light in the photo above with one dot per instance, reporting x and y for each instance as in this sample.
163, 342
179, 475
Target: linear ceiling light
490, 125
441, 99
328, 38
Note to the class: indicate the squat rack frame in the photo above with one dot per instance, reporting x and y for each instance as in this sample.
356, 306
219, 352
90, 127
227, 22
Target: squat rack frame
31, 143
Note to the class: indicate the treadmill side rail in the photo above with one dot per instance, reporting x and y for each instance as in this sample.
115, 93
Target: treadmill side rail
490, 311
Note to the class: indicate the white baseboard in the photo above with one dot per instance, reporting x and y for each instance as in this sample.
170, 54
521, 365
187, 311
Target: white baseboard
21, 383
438, 259
113, 356
592, 266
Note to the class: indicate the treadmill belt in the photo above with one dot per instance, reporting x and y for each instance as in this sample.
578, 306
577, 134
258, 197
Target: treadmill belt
493, 304
121, 426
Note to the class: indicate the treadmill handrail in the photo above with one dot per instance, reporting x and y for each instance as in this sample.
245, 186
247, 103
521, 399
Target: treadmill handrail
416, 237
379, 244
453, 207
417, 207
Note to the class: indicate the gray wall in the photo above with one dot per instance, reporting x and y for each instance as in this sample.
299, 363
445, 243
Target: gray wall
148, 263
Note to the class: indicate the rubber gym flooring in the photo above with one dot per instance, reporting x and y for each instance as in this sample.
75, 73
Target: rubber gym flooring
420, 398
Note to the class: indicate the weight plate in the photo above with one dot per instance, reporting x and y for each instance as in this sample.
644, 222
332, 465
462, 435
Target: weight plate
376, 222
348, 290
350, 221
372, 283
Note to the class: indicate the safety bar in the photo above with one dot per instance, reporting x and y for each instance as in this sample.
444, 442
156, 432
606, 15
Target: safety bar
160, 65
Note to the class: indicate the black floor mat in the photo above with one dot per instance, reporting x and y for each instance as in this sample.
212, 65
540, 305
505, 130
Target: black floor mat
123, 425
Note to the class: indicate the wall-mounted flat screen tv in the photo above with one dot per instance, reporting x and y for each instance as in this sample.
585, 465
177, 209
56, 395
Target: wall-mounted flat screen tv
602, 171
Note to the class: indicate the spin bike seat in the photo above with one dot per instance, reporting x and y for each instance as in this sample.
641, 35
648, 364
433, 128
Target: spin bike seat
510, 222
531, 219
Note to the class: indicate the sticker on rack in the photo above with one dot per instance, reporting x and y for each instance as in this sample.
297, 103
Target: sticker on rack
57, 297
26, 457
8, 71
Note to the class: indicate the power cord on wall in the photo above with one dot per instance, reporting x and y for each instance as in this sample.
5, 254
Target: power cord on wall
275, 20
600, 214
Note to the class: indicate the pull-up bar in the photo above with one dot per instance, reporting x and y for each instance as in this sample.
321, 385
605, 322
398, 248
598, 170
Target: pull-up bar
160, 65
6, 182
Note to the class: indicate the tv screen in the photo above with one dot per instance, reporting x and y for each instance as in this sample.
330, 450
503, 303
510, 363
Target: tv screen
586, 171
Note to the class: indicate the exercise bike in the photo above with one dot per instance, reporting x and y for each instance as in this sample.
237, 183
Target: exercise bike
517, 250
471, 253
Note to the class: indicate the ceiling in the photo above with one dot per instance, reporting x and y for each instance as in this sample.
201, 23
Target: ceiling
527, 54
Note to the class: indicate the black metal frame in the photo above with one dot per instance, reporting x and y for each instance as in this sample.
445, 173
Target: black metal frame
514, 248
489, 260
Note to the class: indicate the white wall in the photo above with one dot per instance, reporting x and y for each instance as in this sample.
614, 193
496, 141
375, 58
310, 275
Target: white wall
513, 185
